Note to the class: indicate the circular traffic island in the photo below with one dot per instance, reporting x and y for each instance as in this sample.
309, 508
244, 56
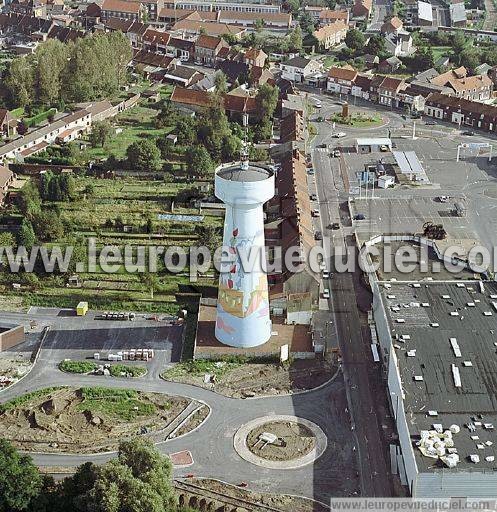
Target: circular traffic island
280, 442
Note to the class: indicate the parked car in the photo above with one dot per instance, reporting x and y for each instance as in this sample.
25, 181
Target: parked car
326, 293
313, 197
443, 199
318, 235
430, 122
469, 133
310, 171
384, 148
336, 153
335, 225
315, 213
326, 275
359, 216
319, 119
339, 135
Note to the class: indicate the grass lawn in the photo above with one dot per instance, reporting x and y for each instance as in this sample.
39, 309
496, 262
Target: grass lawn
329, 61
17, 112
124, 404
358, 120
136, 123
441, 51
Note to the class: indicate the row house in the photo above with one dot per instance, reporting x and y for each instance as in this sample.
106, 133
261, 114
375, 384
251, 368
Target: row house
133, 30
458, 83
38, 140
393, 26
207, 49
192, 28
388, 91
298, 69
216, 5
341, 80
276, 20
461, 111
128, 10
323, 16
331, 35
290, 227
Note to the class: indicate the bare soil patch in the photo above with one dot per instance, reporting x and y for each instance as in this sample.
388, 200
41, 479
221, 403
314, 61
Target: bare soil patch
253, 379
86, 420
294, 441
12, 368
278, 501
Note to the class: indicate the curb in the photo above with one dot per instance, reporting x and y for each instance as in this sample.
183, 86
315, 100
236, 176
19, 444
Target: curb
262, 397
46, 330
240, 443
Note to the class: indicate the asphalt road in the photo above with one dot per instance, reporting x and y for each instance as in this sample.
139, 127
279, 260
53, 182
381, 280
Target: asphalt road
365, 416
332, 475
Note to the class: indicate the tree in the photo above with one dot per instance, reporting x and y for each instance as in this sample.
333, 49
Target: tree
20, 481
307, 23
221, 82
100, 133
150, 282
458, 42
166, 147
48, 226
144, 155
469, 58
231, 148
376, 45
26, 236
293, 5
355, 39
208, 236
198, 162
185, 129
29, 200
295, 39
20, 81
267, 100
331, 4
51, 60
167, 114
6, 239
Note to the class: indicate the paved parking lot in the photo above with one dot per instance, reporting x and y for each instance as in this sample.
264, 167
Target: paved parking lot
406, 215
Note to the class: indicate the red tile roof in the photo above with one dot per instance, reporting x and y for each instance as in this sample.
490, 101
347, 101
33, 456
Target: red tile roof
121, 6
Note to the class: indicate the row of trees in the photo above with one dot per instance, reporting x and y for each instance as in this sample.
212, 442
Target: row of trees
89, 68
138, 480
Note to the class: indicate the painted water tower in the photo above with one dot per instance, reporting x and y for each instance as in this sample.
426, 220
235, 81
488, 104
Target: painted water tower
243, 299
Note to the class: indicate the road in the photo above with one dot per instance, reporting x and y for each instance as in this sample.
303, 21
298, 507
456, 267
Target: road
380, 10
345, 288
332, 475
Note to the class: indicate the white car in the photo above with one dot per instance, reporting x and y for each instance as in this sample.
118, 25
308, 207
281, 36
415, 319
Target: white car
384, 148
326, 275
339, 135
318, 104
326, 293
443, 199
315, 213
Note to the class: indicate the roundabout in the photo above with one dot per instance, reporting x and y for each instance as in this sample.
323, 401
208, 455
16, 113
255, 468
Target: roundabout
280, 442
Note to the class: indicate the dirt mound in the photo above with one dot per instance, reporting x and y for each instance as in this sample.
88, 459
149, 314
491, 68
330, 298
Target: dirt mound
87, 419
294, 440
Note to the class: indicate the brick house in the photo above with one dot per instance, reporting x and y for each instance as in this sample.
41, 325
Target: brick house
331, 35
341, 80
122, 9
388, 91
207, 49
8, 125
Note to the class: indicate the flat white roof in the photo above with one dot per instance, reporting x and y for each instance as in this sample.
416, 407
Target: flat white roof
425, 11
374, 141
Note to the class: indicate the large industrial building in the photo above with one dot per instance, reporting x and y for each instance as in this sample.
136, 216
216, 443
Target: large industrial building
438, 344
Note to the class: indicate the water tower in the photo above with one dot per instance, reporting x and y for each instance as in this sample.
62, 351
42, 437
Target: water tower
243, 300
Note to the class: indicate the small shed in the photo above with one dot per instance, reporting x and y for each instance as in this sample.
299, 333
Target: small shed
370, 145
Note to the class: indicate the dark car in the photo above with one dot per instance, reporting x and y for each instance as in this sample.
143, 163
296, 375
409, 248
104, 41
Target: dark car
318, 235
313, 197
359, 216
469, 133
334, 225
